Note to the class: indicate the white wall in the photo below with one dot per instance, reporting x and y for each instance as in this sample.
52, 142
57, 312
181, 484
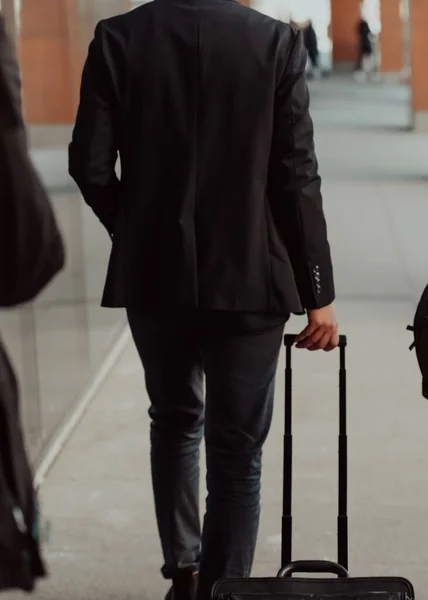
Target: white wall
299, 11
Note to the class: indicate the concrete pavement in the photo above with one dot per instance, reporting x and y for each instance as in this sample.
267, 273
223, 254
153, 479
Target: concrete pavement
98, 494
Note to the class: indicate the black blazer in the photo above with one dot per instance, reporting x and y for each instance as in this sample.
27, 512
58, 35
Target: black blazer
219, 203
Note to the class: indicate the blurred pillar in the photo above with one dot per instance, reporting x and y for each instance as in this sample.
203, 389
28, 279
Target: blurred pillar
391, 36
419, 71
46, 53
345, 15
53, 43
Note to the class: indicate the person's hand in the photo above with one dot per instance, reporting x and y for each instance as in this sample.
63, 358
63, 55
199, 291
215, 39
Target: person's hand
322, 332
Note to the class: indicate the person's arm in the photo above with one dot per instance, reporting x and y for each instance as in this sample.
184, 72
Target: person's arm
295, 195
31, 248
93, 151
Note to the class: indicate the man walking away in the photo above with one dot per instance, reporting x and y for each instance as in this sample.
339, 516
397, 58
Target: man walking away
218, 234
366, 59
311, 43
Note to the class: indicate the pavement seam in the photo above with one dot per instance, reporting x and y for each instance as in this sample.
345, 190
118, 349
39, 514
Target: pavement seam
63, 435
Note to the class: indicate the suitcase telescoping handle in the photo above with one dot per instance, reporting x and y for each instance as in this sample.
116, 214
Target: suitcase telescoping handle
287, 518
313, 566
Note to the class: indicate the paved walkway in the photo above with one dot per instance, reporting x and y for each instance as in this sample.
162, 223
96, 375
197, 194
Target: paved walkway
98, 495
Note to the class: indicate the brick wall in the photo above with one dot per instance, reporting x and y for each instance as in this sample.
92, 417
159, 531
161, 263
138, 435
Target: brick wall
391, 37
419, 77
53, 43
345, 15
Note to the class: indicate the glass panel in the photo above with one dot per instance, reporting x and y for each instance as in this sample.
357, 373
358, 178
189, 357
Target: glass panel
58, 342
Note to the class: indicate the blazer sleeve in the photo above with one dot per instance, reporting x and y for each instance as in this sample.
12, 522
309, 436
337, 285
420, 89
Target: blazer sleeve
31, 248
294, 189
93, 151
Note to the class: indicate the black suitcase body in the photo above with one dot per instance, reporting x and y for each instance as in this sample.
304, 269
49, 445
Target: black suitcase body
341, 587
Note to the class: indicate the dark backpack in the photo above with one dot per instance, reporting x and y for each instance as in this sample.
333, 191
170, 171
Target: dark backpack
20, 559
31, 248
31, 253
420, 332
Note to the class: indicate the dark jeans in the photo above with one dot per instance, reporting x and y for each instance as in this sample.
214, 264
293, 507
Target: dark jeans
238, 354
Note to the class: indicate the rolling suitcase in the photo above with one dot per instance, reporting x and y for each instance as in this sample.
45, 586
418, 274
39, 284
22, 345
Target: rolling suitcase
286, 587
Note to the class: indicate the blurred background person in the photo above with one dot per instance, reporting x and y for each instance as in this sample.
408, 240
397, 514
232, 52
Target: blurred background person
31, 253
366, 63
311, 43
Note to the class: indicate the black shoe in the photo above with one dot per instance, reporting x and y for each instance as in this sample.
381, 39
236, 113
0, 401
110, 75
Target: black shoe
184, 586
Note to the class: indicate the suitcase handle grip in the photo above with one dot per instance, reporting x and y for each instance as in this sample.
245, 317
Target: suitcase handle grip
313, 566
290, 340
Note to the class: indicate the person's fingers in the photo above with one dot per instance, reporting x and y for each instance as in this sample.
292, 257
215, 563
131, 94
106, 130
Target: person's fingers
334, 341
313, 338
317, 337
307, 340
325, 338
322, 341
307, 332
